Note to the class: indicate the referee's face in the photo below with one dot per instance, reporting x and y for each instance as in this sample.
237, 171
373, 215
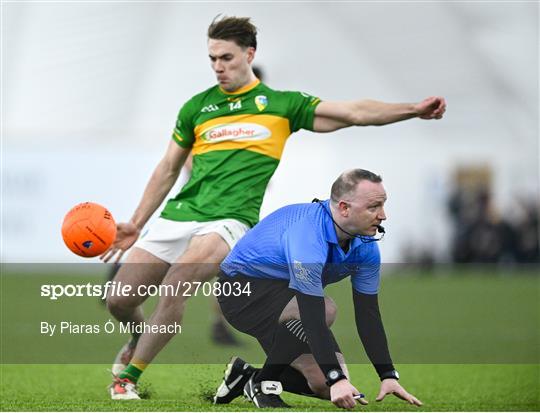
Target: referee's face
231, 63
366, 208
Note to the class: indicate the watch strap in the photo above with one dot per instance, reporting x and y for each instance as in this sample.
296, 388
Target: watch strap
333, 376
392, 374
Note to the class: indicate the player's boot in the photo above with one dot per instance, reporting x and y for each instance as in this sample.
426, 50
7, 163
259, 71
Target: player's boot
123, 357
235, 378
265, 394
123, 389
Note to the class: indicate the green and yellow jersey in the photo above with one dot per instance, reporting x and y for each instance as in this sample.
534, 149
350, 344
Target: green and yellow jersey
237, 140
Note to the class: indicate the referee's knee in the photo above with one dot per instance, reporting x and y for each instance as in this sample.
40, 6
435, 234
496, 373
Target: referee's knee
291, 311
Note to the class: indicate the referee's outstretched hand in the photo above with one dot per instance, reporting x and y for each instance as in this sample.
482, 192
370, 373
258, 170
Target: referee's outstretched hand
391, 386
342, 395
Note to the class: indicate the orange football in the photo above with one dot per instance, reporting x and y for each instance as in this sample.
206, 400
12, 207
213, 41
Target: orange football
88, 229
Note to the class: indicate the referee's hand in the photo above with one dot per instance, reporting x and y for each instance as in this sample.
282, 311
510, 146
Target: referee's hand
342, 395
391, 386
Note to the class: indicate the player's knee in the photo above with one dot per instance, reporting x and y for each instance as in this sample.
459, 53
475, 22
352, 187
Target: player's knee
119, 303
172, 304
330, 310
187, 276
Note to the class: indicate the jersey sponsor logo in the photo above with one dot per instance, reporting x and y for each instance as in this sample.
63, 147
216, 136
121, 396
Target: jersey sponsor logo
210, 108
261, 102
236, 132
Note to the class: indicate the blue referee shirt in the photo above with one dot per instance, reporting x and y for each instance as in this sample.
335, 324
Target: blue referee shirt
298, 243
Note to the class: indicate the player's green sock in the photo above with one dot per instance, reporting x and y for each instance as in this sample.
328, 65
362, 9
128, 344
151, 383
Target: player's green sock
133, 371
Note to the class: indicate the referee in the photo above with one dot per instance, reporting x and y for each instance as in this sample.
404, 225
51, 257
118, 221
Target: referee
285, 262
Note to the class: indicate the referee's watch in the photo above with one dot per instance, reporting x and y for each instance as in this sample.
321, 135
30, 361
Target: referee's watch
392, 374
333, 376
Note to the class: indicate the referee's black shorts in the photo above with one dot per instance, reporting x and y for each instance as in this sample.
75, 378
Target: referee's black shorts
256, 314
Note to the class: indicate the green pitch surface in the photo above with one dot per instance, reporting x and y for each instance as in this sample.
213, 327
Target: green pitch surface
464, 340
187, 387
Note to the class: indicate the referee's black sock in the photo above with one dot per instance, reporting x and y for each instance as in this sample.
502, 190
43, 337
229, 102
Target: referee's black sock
290, 341
294, 382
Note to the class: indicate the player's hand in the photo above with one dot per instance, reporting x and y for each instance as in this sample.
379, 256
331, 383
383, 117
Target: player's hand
391, 386
431, 108
126, 235
342, 395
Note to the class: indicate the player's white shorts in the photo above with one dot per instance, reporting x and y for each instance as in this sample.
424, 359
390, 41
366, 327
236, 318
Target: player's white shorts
168, 240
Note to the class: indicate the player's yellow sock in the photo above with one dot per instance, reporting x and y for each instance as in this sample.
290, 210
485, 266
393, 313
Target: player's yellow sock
133, 371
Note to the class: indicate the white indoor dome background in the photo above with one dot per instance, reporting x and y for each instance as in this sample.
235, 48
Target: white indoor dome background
91, 91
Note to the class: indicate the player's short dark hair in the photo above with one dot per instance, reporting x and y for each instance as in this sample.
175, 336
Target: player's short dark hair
237, 29
348, 180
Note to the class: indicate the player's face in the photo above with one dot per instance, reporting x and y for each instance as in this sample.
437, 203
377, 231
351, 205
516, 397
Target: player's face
366, 208
231, 63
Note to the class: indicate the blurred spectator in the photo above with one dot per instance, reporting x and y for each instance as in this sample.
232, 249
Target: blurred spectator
526, 230
483, 236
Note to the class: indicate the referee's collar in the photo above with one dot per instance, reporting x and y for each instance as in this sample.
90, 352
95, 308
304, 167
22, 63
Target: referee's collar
329, 227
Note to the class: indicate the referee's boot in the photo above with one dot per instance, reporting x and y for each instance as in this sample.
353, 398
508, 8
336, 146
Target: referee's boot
235, 378
265, 394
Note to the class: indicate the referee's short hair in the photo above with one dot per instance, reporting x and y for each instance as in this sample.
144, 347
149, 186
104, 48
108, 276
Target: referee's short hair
347, 181
237, 29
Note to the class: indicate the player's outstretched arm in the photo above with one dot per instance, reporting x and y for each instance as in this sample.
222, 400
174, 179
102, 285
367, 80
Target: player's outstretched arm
391, 386
331, 116
162, 180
